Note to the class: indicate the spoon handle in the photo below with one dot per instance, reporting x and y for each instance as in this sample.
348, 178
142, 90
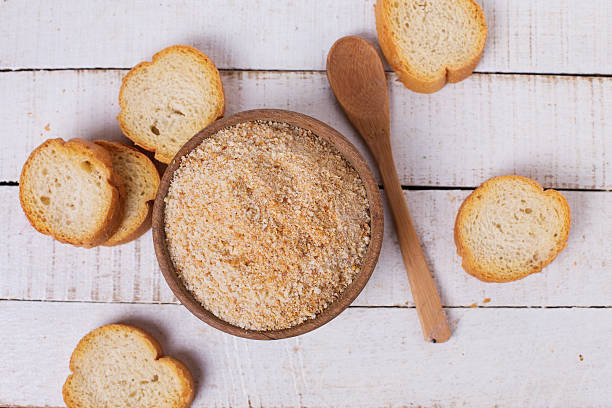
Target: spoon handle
433, 321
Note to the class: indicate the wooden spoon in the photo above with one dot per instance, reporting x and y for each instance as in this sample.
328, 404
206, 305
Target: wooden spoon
357, 78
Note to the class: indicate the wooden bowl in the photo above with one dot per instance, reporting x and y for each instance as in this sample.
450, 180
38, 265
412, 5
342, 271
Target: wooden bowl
376, 224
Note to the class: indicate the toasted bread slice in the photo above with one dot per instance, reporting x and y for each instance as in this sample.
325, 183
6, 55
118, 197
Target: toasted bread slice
141, 182
69, 190
509, 227
122, 366
431, 42
167, 101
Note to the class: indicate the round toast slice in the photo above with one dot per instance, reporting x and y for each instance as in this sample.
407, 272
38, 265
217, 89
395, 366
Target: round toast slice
509, 228
141, 181
167, 101
122, 366
431, 42
70, 191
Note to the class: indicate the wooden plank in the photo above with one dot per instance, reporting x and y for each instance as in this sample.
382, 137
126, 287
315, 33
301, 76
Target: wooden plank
126, 273
38, 268
553, 129
363, 358
524, 36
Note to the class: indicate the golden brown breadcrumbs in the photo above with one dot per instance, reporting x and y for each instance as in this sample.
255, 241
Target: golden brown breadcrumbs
266, 224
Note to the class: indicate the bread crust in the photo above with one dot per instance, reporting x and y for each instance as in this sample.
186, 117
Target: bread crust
402, 67
183, 374
103, 162
154, 350
143, 222
471, 265
218, 85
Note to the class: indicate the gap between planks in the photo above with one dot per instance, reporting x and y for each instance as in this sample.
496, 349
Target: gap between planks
308, 71
99, 302
405, 188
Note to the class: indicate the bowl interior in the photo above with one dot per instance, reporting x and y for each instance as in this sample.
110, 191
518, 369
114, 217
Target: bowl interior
349, 294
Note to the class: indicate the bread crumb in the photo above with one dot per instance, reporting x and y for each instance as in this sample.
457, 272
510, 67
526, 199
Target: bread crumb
48, 127
580, 356
486, 300
266, 224
472, 305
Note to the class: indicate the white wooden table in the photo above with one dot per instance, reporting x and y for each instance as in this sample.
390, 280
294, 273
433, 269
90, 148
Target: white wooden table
540, 105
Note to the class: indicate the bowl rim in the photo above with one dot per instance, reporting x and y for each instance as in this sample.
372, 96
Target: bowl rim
348, 295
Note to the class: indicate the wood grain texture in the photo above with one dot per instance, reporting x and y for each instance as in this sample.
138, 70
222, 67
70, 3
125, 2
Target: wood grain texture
566, 36
552, 129
357, 78
37, 268
364, 358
